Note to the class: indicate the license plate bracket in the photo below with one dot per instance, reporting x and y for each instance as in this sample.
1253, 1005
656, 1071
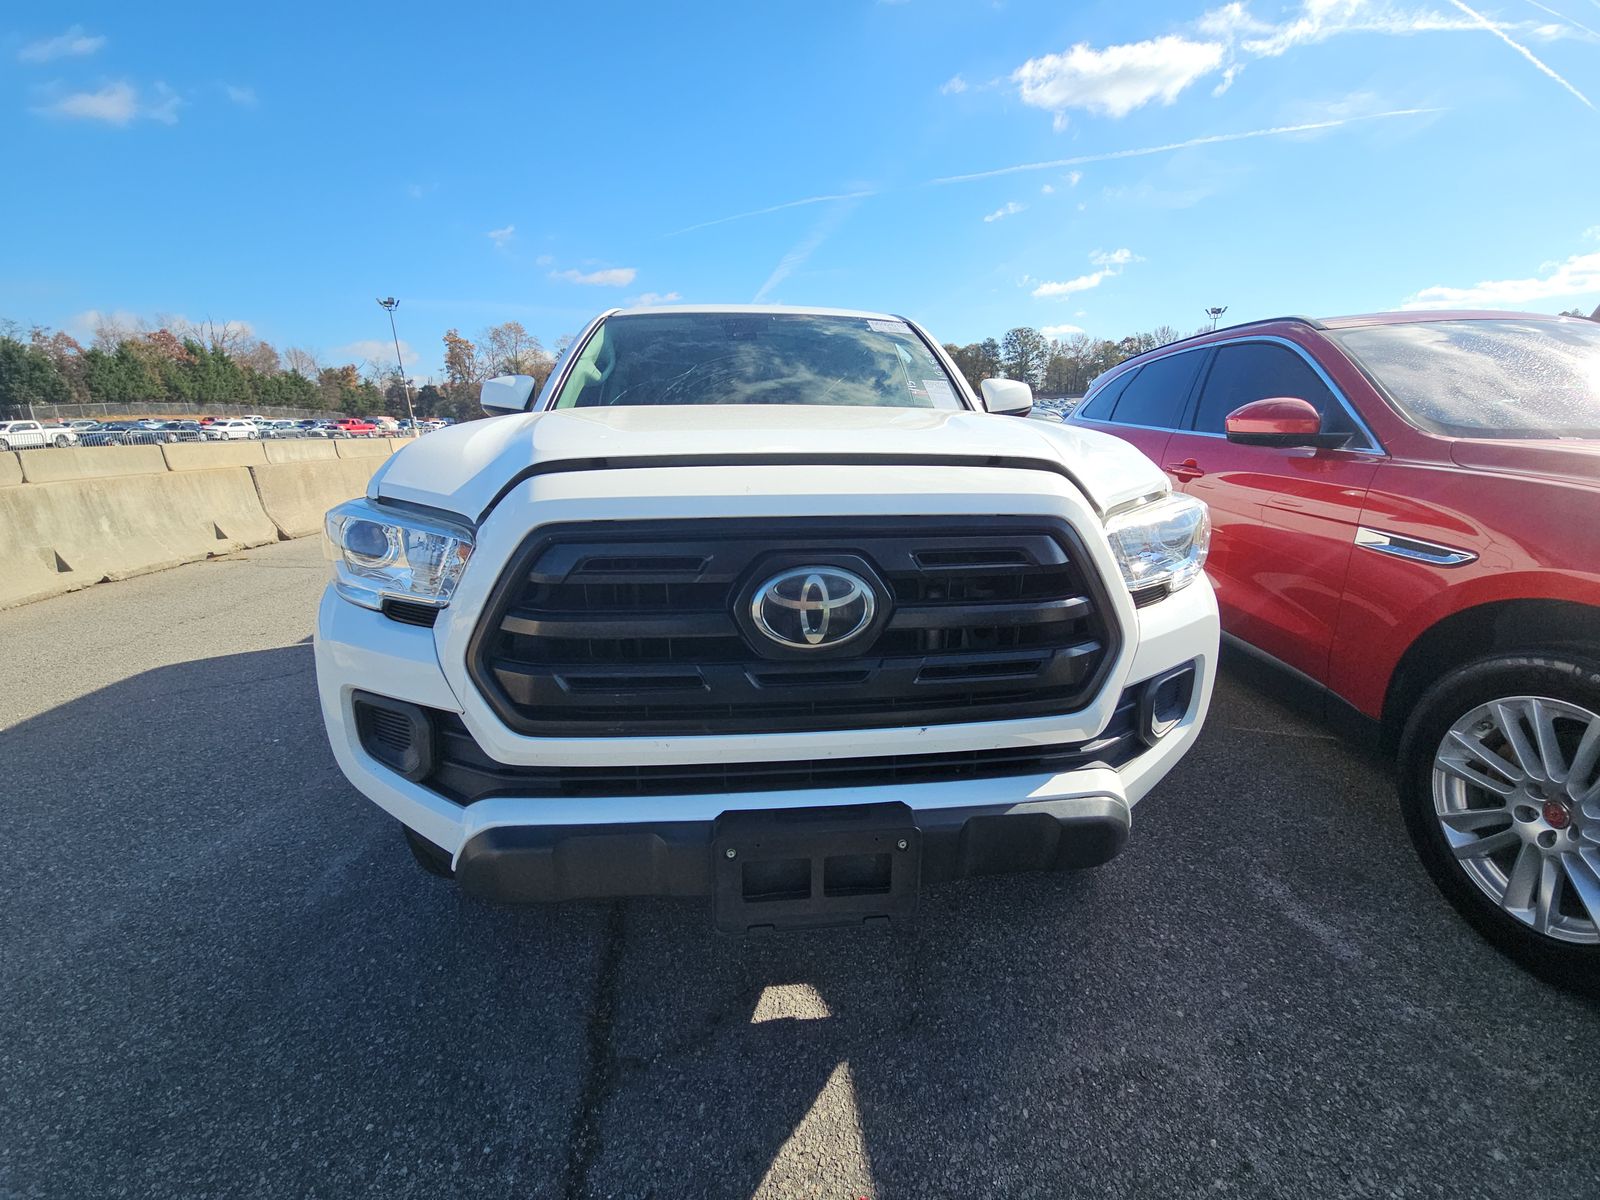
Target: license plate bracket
813, 868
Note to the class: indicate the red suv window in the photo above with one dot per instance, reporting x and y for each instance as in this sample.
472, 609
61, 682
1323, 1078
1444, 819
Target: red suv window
1247, 371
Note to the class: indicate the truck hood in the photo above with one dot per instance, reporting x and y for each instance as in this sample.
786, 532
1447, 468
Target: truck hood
465, 468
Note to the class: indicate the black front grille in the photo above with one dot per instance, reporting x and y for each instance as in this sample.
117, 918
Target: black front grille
462, 772
631, 629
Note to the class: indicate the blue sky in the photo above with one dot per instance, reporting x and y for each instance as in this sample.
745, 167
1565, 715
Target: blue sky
283, 166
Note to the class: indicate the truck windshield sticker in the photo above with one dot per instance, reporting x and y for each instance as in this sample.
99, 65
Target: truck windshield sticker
899, 327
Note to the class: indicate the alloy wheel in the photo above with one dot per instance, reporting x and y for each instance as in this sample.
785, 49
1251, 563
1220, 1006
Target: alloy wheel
1516, 790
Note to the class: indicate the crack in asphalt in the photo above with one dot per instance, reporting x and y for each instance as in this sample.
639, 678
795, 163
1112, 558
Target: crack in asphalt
600, 1062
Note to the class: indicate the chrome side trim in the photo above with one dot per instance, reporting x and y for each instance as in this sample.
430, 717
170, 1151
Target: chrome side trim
1413, 548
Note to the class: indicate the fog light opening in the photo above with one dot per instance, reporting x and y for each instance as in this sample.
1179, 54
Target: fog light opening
1164, 703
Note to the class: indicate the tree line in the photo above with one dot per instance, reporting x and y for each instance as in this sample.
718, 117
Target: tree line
1062, 366
175, 362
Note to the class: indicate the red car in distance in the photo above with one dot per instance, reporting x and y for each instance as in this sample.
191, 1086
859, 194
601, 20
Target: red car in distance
356, 427
1406, 519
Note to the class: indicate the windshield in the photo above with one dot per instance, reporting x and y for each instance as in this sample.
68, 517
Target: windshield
1497, 379
756, 358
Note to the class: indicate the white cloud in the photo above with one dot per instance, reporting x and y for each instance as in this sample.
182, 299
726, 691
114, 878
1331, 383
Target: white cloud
1110, 264
244, 97
1561, 31
1574, 276
1008, 209
1114, 258
74, 43
1592, 234
378, 351
502, 237
1047, 190
117, 103
1073, 178
1056, 331
1115, 81
610, 277
649, 298
953, 86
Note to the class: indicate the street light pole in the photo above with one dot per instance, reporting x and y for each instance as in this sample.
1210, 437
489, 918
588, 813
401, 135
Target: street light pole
1215, 313
389, 304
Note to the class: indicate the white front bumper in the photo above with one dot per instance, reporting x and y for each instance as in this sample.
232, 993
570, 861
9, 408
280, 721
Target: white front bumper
361, 650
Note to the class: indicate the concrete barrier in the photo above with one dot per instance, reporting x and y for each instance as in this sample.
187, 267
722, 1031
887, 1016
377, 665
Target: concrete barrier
364, 448
299, 451
207, 456
78, 516
91, 462
295, 495
71, 534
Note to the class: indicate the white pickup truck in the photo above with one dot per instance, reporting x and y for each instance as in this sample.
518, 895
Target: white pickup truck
26, 435
766, 605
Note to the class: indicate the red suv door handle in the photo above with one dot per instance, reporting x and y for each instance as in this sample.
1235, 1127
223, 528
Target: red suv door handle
1186, 470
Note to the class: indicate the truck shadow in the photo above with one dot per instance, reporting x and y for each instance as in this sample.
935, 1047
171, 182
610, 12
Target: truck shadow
224, 975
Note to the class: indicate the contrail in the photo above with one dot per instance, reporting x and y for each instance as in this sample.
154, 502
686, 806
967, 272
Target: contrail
761, 212
1211, 140
1520, 49
830, 221
1573, 21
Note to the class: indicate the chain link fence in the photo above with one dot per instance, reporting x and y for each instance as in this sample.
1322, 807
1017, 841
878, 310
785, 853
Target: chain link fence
116, 412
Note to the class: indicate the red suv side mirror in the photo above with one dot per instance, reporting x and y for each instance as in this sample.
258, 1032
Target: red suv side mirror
1281, 421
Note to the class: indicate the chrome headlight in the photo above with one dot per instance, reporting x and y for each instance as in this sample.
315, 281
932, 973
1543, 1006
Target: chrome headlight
1161, 543
378, 552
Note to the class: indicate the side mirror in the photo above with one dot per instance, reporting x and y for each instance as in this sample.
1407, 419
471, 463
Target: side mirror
1012, 397
1281, 421
506, 394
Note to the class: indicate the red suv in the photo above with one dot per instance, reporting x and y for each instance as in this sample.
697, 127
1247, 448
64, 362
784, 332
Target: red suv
1406, 516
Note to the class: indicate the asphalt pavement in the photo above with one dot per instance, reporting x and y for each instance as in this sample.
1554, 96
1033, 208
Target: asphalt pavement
222, 975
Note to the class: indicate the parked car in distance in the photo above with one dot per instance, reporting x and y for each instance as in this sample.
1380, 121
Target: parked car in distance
29, 435
234, 428
356, 426
1406, 516
807, 625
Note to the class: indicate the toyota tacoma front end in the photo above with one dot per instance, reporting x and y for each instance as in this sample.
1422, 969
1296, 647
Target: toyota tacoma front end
762, 605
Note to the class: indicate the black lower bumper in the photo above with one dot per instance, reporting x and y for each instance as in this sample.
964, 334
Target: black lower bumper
794, 867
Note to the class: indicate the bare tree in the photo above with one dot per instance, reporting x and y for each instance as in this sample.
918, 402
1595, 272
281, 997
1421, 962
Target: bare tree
303, 361
509, 349
259, 357
112, 329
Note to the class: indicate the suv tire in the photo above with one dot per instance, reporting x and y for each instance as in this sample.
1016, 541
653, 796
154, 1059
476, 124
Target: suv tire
1547, 847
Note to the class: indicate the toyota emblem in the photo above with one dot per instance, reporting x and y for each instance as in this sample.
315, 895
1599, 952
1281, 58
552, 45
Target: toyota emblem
813, 608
